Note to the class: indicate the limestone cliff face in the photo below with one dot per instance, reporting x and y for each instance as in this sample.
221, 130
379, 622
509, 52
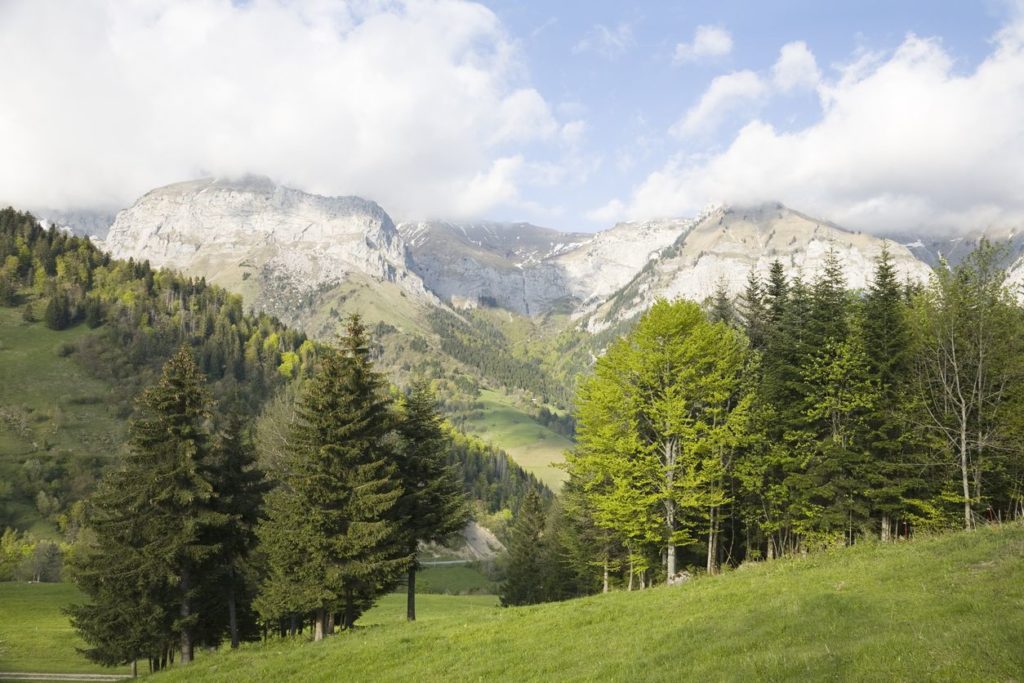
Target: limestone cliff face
272, 242
281, 248
532, 270
725, 245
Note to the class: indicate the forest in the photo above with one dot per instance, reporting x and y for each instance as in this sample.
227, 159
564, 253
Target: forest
800, 417
133, 319
271, 486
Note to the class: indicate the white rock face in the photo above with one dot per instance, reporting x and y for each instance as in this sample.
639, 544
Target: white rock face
231, 230
727, 243
532, 270
280, 247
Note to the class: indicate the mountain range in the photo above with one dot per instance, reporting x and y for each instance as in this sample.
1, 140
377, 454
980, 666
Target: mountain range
283, 247
509, 305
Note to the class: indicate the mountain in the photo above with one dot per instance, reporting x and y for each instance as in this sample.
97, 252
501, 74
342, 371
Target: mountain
279, 247
726, 244
528, 269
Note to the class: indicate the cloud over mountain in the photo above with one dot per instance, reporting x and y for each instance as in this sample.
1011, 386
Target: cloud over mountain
422, 106
907, 140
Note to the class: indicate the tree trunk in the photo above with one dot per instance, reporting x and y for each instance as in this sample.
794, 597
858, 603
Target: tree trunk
233, 617
630, 586
350, 610
886, 528
670, 508
319, 623
605, 588
968, 517
713, 543
135, 668
186, 613
330, 623
410, 600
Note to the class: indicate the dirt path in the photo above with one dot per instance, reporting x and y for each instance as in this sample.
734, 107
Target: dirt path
33, 676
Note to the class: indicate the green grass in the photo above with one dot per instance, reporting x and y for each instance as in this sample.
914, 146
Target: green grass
942, 609
532, 445
35, 635
454, 579
390, 609
49, 407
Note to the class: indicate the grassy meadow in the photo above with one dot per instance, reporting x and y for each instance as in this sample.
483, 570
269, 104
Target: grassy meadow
948, 608
532, 445
35, 636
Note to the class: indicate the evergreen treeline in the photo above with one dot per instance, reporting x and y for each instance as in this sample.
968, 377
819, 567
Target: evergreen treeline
479, 345
802, 417
187, 551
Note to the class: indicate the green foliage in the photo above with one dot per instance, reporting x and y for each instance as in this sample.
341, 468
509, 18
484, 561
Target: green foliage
524, 572
931, 609
330, 538
656, 424
160, 534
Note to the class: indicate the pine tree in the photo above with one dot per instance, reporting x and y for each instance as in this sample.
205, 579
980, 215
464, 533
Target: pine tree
240, 486
897, 485
154, 523
523, 583
433, 505
752, 311
330, 536
721, 309
57, 316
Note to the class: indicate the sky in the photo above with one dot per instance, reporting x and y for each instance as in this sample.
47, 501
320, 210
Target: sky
880, 115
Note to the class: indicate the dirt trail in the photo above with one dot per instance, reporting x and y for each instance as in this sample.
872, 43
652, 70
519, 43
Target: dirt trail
34, 676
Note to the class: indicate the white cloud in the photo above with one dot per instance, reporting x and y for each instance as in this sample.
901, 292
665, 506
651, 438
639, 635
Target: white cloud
708, 42
612, 212
904, 142
413, 104
795, 68
608, 42
724, 95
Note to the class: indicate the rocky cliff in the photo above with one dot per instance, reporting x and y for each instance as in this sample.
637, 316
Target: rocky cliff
278, 245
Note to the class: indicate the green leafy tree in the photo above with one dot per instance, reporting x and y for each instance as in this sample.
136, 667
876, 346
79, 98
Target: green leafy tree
651, 421
970, 371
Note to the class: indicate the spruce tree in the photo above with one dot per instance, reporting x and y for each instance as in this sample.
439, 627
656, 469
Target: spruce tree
433, 505
154, 523
524, 578
240, 486
897, 487
330, 536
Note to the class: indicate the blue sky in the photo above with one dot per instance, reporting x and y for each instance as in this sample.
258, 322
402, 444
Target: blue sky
883, 116
630, 93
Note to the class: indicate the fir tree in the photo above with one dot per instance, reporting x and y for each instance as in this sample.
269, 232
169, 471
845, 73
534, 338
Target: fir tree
524, 583
433, 505
154, 523
240, 486
330, 536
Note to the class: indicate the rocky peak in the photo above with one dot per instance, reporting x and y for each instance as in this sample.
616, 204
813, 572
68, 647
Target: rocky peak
251, 233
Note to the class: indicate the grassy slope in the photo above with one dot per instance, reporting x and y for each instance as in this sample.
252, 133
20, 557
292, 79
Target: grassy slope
63, 409
947, 608
35, 636
532, 445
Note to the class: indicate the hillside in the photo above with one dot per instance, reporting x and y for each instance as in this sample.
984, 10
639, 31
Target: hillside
944, 608
66, 395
